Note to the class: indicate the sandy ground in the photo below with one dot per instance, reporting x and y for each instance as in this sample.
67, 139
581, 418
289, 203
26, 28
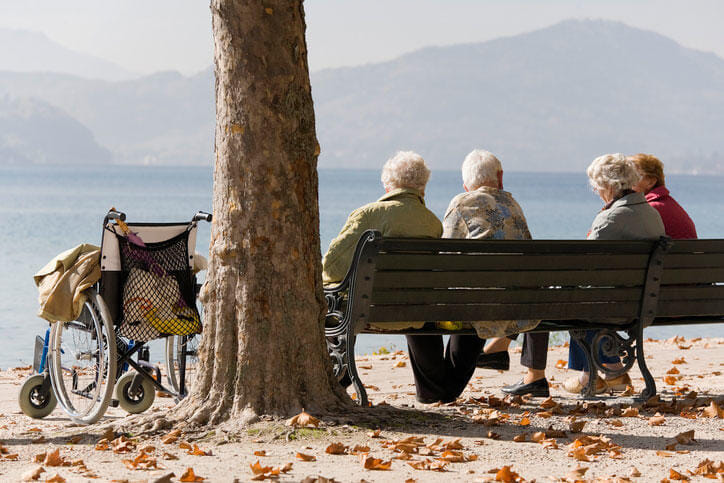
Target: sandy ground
628, 442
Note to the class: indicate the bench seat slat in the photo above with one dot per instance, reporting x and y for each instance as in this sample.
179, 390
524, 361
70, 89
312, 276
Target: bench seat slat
473, 312
691, 292
499, 278
523, 296
511, 261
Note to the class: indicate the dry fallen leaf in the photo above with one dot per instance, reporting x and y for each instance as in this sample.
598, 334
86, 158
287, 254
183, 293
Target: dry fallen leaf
524, 422
630, 413
34, 474
577, 426
656, 420
576, 474
358, 449
375, 433
54, 459
635, 473
538, 437
196, 451
493, 435
303, 420
370, 463
56, 478
260, 453
506, 475
171, 437
673, 370
686, 437
306, 457
580, 454
190, 476
714, 411
336, 448
102, 445
709, 469
560, 364
400, 364
664, 454
680, 360
670, 380
675, 475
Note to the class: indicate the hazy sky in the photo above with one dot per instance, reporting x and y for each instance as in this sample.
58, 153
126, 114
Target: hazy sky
150, 35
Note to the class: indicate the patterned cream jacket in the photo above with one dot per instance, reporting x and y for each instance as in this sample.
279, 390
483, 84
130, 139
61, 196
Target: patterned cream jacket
488, 213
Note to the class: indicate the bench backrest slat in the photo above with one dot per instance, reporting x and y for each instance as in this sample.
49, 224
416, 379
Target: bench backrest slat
509, 261
511, 296
504, 278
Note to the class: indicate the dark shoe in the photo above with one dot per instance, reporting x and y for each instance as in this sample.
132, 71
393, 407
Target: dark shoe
494, 360
537, 388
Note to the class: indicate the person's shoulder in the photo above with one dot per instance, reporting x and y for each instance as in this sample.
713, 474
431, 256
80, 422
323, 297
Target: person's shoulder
473, 198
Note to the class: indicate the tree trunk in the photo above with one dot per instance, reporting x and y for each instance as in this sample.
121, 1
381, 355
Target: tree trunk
263, 349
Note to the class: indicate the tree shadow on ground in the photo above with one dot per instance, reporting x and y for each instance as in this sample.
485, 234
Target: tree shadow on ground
453, 422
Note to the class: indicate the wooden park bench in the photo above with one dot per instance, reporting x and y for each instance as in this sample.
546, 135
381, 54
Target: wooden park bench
619, 287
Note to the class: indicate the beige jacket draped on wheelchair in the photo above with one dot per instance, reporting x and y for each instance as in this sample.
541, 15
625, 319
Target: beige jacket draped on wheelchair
63, 280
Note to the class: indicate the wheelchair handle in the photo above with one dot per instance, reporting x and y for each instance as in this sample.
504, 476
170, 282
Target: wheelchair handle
202, 216
114, 215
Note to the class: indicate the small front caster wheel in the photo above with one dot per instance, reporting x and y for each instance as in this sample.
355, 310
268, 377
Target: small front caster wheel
137, 401
33, 400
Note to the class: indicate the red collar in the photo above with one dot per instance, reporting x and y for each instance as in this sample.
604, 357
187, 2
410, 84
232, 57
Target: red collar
657, 193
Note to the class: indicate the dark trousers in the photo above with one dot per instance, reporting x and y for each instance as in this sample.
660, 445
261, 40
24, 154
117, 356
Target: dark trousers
441, 373
535, 350
577, 359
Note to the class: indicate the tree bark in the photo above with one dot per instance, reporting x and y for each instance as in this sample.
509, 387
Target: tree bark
263, 349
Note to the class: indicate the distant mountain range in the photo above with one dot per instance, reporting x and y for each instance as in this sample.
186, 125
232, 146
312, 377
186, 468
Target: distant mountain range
549, 100
25, 51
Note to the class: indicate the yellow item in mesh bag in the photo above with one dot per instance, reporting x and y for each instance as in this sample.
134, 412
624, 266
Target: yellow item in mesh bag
185, 322
449, 325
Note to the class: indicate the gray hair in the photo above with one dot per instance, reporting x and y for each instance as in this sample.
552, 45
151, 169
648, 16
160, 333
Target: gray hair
613, 171
406, 169
479, 168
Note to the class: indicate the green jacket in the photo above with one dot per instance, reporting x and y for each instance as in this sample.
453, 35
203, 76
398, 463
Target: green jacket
399, 213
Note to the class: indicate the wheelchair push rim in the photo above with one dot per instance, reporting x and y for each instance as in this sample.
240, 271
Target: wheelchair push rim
83, 361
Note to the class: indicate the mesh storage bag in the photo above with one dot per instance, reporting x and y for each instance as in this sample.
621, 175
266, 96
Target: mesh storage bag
158, 290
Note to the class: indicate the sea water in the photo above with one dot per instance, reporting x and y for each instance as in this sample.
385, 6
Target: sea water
47, 209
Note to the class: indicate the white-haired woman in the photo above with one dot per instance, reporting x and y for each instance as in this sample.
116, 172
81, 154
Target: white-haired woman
486, 211
626, 215
401, 212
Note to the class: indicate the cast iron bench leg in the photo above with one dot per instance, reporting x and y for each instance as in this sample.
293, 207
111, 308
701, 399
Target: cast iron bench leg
352, 371
650, 390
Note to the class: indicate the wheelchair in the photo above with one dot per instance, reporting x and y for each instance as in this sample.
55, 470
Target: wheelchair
147, 291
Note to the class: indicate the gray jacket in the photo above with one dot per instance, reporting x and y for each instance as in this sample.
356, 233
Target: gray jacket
628, 218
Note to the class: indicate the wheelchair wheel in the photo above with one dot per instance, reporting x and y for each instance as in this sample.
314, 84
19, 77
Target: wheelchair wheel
178, 346
33, 400
83, 361
134, 401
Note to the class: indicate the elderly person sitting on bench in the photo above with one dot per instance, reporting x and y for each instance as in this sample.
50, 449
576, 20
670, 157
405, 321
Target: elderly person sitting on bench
625, 216
485, 211
401, 212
